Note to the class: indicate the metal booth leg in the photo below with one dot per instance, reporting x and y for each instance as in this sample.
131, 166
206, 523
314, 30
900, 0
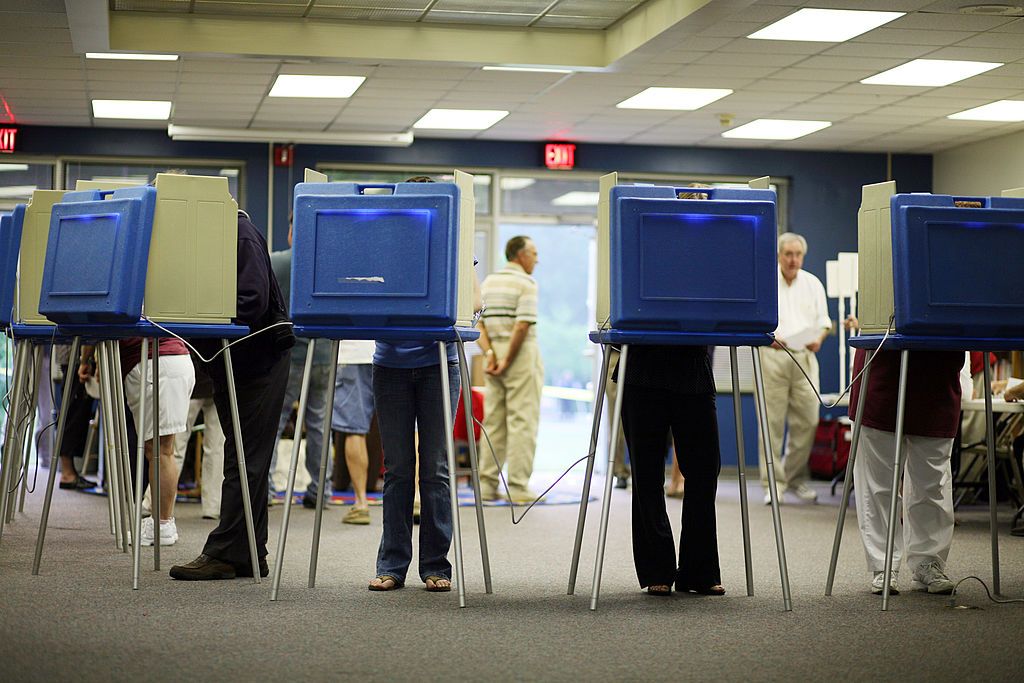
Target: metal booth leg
242, 472
154, 458
20, 475
990, 444
446, 404
741, 465
780, 545
325, 452
595, 429
11, 448
474, 477
55, 459
848, 477
606, 502
282, 537
140, 463
120, 436
111, 464
890, 537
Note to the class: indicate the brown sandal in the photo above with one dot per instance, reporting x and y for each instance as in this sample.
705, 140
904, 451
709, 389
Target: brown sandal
659, 589
432, 584
381, 584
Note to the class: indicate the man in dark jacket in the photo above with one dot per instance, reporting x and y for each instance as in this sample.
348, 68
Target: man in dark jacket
260, 368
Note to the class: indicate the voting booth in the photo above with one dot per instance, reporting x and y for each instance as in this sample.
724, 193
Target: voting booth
391, 262
685, 266
936, 272
10, 246
124, 260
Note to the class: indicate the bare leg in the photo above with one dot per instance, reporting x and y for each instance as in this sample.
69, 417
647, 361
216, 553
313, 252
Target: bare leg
675, 486
67, 470
357, 459
168, 475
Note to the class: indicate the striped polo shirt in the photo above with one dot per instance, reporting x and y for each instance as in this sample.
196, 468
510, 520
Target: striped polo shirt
510, 296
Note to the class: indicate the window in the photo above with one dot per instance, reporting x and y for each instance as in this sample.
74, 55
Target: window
143, 173
18, 180
481, 182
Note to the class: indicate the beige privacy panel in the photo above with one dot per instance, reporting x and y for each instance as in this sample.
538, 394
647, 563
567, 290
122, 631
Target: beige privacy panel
467, 239
193, 274
762, 183
1017, 192
34, 235
604, 275
104, 185
874, 248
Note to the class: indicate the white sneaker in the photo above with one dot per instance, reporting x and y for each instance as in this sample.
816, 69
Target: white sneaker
768, 498
168, 531
878, 583
930, 577
805, 493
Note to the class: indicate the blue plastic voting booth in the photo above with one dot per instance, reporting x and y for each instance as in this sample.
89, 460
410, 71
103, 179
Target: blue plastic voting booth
96, 256
687, 267
942, 271
387, 262
10, 246
375, 260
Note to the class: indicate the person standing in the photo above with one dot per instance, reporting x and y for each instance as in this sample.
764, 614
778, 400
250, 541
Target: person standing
352, 415
792, 404
316, 403
514, 371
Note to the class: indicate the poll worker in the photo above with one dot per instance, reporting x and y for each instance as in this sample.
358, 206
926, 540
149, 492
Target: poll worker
316, 400
669, 394
936, 381
792, 405
260, 367
514, 372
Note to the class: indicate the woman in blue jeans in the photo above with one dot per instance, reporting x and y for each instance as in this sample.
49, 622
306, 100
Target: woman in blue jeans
407, 393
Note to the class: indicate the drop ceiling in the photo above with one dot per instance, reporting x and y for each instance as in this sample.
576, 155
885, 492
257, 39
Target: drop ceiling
46, 80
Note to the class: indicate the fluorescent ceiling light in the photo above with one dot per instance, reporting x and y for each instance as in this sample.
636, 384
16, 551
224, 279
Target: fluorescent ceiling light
156, 110
316, 86
513, 184
775, 129
685, 99
402, 139
460, 119
930, 72
824, 25
530, 69
13, 167
577, 198
1003, 110
131, 56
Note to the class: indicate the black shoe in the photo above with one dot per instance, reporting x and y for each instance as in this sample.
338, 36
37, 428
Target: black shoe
621, 482
244, 571
204, 568
309, 502
78, 484
1017, 530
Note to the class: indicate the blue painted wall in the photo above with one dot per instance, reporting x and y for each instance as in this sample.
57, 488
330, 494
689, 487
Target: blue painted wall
824, 190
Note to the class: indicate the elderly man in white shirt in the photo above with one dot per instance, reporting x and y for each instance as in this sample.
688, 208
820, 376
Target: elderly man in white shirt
803, 325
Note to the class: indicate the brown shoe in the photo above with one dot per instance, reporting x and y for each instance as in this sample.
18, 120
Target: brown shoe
204, 568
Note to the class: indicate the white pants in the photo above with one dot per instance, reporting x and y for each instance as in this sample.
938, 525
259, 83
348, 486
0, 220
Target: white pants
927, 498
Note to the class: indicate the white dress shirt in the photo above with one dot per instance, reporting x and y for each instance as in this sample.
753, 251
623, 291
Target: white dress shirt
801, 306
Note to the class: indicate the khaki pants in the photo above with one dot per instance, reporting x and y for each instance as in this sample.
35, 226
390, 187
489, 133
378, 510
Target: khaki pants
619, 469
511, 416
790, 402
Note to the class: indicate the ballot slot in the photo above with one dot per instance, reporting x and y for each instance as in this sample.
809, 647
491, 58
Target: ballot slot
382, 255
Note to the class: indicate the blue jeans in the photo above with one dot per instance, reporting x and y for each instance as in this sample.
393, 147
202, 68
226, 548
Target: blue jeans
316, 408
407, 398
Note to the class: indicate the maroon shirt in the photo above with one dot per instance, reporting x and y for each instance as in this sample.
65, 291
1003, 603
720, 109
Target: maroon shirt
933, 392
131, 351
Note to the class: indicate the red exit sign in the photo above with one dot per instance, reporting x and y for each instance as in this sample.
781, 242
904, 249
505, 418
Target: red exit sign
560, 155
7, 136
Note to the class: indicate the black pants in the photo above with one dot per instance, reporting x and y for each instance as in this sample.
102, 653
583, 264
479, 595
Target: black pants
648, 416
81, 408
259, 408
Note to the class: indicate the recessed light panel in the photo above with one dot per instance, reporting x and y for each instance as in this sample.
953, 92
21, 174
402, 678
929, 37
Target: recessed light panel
460, 119
291, 85
1003, 110
824, 25
529, 69
775, 129
930, 72
683, 99
131, 56
155, 110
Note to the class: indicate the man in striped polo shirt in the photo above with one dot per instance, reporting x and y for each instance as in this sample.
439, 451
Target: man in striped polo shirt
515, 373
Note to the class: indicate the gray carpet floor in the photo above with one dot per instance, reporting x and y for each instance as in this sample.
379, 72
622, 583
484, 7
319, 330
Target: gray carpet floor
80, 620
